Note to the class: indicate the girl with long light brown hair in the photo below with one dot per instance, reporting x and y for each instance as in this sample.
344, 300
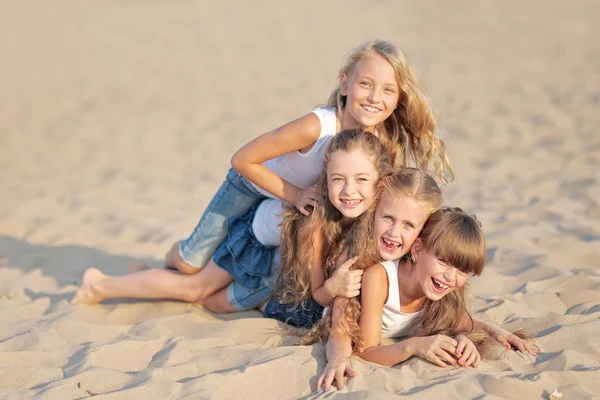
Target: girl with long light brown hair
421, 296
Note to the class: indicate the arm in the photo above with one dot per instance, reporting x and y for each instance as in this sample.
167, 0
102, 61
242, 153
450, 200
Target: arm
505, 338
436, 348
338, 349
293, 136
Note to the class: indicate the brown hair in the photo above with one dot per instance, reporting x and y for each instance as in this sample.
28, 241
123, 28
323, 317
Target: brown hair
409, 132
360, 241
297, 251
458, 238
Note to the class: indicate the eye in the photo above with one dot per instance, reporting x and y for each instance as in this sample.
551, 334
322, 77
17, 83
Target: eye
338, 179
364, 83
442, 261
390, 90
363, 180
463, 273
409, 225
387, 218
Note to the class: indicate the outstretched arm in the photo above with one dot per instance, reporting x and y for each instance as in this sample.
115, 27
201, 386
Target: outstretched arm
505, 338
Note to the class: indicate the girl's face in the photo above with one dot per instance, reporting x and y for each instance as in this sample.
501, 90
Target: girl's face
436, 276
398, 222
372, 93
351, 178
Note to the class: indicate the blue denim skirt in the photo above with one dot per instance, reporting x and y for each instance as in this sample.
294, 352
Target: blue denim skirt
247, 260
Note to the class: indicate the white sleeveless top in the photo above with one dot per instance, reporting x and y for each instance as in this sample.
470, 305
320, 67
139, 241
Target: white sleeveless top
301, 170
395, 323
304, 169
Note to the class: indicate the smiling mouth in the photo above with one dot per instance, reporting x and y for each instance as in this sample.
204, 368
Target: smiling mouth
390, 245
350, 203
370, 109
439, 286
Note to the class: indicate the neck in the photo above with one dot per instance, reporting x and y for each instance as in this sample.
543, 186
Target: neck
412, 296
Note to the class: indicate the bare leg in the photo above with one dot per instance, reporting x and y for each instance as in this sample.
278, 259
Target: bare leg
218, 303
173, 260
152, 284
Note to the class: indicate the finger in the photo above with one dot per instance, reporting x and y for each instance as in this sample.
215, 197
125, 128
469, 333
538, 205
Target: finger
503, 342
328, 380
437, 361
446, 356
463, 359
352, 293
339, 378
349, 369
357, 273
471, 360
518, 343
532, 348
477, 360
303, 211
320, 380
460, 348
449, 347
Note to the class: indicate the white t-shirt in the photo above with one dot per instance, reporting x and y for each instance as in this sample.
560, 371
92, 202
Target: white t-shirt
301, 170
395, 323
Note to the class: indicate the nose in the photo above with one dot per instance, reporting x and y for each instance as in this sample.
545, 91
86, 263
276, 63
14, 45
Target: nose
349, 188
395, 230
374, 96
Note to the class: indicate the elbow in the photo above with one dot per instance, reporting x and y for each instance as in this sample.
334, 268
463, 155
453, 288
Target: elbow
236, 161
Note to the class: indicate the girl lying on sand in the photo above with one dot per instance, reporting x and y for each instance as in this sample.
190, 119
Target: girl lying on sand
421, 296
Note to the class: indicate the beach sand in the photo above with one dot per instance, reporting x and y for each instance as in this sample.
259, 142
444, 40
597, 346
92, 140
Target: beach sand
118, 122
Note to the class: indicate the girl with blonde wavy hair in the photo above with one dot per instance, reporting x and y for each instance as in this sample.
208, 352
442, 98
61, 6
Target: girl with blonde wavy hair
421, 296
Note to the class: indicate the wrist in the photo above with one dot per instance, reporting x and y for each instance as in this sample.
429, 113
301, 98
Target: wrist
329, 290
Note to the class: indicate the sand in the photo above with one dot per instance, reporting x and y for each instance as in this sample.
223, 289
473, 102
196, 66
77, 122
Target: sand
118, 122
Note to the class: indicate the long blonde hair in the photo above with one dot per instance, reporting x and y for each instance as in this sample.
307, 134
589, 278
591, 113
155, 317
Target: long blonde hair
293, 274
409, 132
360, 241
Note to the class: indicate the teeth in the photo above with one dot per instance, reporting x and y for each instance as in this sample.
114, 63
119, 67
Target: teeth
390, 243
351, 202
441, 284
370, 109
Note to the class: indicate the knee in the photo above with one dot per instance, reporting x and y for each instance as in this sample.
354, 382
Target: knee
191, 291
173, 260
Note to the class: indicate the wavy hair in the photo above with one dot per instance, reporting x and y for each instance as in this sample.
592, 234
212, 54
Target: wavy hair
324, 225
360, 241
409, 132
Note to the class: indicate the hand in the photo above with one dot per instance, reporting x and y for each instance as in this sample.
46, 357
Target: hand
335, 369
437, 349
344, 282
507, 339
466, 352
306, 197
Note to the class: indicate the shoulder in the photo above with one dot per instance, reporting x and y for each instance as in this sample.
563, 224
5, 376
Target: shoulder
375, 280
328, 119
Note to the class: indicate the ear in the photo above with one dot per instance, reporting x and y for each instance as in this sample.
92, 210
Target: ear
416, 249
344, 84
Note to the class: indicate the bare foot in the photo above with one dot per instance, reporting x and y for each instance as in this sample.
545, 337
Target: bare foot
88, 291
137, 266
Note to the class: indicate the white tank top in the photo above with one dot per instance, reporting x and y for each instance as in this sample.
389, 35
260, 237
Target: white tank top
395, 323
304, 169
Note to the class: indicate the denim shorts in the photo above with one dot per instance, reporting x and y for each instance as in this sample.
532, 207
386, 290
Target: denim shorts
304, 315
235, 196
244, 298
